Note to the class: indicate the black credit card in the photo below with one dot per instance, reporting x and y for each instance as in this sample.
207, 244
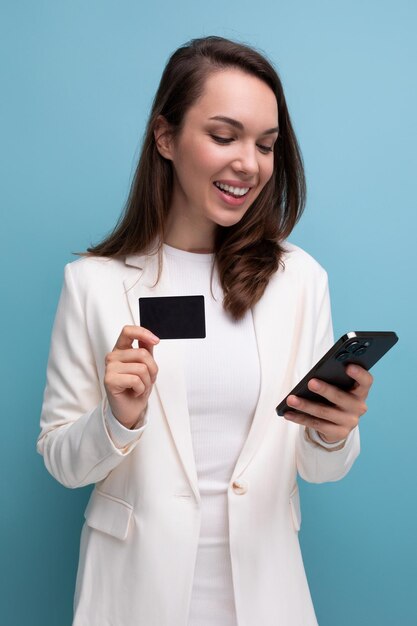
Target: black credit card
173, 317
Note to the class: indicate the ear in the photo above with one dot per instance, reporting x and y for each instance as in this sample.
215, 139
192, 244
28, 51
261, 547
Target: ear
163, 137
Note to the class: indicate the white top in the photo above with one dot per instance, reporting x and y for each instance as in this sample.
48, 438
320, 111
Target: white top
222, 378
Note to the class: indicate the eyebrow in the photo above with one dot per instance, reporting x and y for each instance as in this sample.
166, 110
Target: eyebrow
239, 125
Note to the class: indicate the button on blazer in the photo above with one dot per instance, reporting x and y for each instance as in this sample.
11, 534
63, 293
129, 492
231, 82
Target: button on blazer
141, 531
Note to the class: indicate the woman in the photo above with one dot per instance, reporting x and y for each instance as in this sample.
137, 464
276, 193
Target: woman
195, 514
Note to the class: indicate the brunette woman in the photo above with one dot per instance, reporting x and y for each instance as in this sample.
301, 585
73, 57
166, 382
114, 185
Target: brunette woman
194, 517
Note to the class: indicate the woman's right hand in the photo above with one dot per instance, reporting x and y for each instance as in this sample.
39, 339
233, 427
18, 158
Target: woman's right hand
130, 374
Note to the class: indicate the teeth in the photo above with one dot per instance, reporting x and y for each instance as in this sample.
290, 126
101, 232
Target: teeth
236, 191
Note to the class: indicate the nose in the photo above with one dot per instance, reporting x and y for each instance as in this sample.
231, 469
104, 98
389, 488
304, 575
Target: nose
246, 160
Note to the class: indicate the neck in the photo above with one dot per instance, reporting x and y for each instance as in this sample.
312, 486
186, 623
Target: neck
188, 248
182, 233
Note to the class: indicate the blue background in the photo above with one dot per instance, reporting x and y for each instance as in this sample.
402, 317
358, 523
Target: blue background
77, 82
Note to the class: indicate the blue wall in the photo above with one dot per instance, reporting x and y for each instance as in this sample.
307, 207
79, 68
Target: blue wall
77, 82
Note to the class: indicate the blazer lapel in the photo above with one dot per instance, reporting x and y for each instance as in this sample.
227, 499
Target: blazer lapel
170, 383
275, 325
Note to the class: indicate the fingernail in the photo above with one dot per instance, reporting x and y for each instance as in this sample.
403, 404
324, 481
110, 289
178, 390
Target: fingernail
353, 369
155, 338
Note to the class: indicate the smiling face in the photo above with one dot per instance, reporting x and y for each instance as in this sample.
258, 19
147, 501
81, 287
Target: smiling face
222, 157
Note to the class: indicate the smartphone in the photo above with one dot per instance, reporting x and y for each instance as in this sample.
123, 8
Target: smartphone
173, 317
359, 347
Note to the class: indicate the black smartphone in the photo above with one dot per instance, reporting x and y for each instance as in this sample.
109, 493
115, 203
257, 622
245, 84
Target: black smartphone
359, 347
173, 317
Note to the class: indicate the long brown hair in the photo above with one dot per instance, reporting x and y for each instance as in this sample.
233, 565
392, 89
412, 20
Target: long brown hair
249, 252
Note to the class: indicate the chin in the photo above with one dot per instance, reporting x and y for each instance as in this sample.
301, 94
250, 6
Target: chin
228, 220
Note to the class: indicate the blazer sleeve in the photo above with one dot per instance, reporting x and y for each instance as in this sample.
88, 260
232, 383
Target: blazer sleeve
75, 442
315, 463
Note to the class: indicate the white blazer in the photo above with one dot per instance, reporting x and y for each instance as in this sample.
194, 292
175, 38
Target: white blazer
139, 540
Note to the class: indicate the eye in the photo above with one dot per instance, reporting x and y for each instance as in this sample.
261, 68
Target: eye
222, 140
265, 149
228, 140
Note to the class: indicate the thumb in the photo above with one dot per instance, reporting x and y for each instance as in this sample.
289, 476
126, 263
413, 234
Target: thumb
148, 346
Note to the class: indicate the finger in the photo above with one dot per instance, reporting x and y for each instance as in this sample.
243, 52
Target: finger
137, 369
330, 431
130, 333
119, 383
322, 411
134, 355
362, 378
344, 400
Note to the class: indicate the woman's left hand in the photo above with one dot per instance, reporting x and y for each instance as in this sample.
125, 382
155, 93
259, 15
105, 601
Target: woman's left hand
333, 422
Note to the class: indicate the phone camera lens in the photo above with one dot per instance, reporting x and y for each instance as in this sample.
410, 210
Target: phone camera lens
361, 350
352, 346
342, 356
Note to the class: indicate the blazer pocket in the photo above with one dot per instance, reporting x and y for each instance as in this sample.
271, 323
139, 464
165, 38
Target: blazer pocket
295, 508
108, 514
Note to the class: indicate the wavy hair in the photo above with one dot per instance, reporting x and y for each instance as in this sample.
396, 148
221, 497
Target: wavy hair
249, 252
